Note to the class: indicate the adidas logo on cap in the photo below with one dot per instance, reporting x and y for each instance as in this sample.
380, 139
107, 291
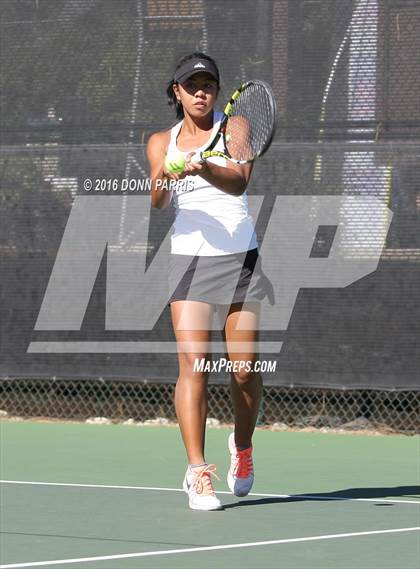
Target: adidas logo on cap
199, 65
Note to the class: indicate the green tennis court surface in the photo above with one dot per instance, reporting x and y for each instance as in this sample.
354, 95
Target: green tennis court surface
337, 501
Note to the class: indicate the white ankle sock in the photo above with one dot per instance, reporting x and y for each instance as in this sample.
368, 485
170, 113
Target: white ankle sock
198, 465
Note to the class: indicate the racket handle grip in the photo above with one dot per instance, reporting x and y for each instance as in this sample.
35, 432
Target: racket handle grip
197, 159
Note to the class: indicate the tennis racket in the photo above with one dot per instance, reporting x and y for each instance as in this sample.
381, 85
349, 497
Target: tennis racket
247, 126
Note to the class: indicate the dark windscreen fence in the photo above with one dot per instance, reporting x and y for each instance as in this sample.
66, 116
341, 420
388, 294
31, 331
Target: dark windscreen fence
336, 198
95, 71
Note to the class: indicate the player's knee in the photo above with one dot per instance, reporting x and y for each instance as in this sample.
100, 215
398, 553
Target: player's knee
195, 364
243, 377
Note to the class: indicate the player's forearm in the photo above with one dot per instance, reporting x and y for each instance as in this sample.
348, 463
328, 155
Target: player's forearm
159, 195
224, 179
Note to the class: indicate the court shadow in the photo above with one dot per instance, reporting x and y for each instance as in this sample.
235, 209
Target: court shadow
338, 495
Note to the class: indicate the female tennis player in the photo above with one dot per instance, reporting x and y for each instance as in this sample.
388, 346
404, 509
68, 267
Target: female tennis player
214, 254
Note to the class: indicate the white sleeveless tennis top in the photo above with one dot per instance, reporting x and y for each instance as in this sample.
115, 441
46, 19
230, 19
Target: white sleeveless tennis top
209, 221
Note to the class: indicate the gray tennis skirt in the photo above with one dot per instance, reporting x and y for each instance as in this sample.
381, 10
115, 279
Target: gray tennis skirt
219, 279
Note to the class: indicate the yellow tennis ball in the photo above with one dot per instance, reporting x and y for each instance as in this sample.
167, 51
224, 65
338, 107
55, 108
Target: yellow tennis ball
175, 162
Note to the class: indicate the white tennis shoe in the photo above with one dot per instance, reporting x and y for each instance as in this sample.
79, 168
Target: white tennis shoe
240, 477
199, 487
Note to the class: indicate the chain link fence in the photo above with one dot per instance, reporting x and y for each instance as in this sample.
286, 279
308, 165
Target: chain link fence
141, 401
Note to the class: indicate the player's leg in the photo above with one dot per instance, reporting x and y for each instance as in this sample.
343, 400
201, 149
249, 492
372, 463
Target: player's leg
241, 334
246, 385
191, 387
192, 326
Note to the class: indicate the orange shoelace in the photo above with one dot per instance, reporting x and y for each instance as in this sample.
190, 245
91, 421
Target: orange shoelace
242, 463
203, 483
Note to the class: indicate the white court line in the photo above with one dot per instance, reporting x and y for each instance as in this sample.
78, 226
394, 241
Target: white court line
207, 548
153, 488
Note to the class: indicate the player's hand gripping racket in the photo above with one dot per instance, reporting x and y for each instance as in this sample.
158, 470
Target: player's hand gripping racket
247, 125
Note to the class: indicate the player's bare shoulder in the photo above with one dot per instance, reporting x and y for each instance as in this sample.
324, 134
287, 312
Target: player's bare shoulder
158, 143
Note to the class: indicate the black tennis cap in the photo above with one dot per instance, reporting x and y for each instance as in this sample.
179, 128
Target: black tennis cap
196, 65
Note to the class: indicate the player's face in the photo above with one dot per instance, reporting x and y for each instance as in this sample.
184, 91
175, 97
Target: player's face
198, 94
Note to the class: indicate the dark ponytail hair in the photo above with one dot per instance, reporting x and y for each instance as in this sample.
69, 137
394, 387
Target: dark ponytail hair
172, 100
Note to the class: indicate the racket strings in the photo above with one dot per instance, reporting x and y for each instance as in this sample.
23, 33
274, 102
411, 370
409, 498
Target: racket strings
250, 125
